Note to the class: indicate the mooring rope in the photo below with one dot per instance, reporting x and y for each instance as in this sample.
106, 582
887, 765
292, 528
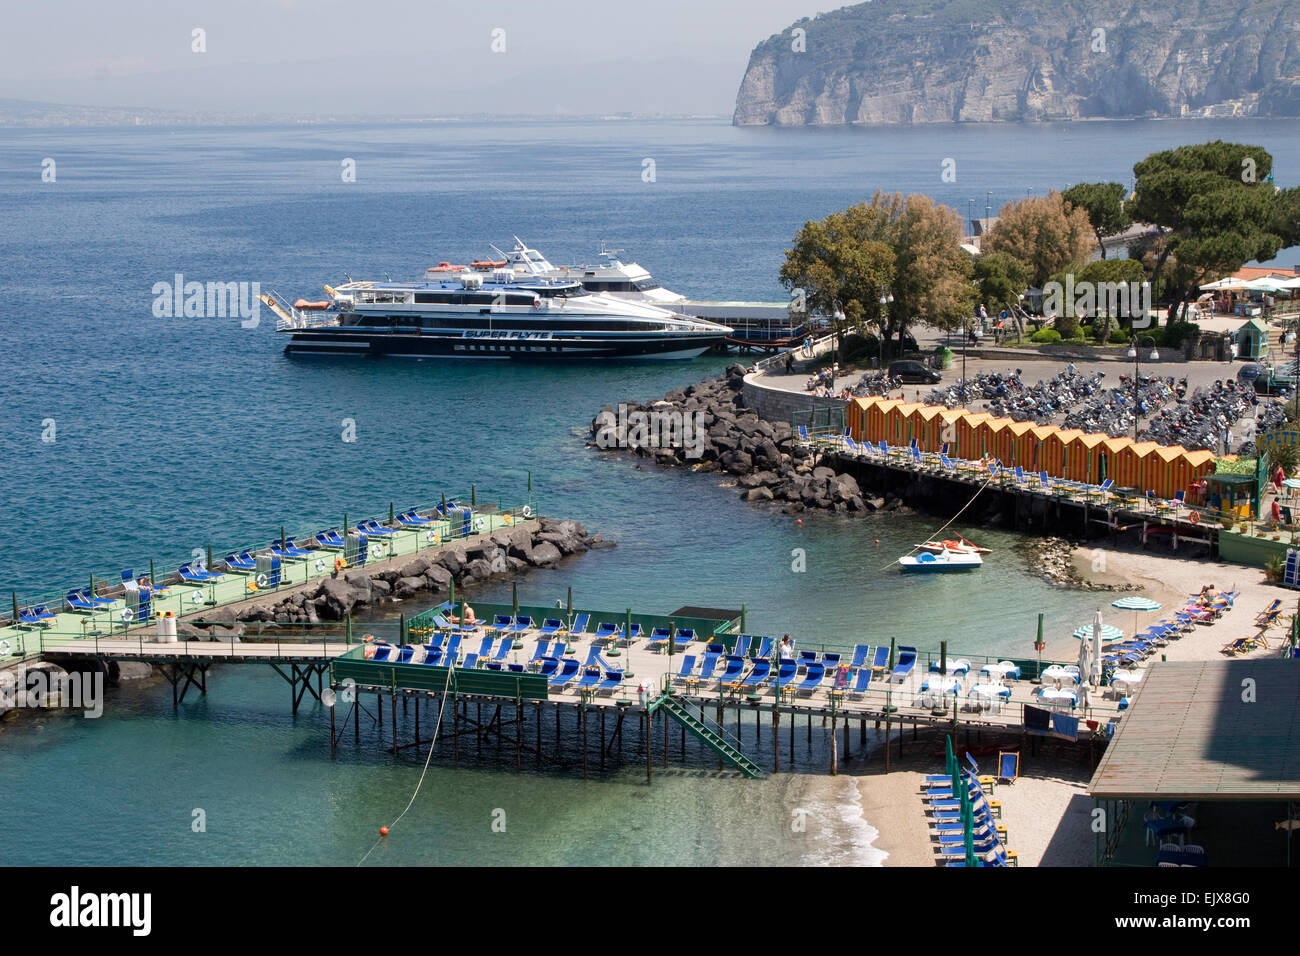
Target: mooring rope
433, 741
934, 535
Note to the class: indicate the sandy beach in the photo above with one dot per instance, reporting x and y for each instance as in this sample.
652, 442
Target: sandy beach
1047, 810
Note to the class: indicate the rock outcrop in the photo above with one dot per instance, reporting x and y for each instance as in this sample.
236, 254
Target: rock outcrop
767, 462
918, 61
499, 554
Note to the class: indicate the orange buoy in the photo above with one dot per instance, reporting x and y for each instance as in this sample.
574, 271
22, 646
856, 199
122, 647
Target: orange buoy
383, 831
877, 542
799, 521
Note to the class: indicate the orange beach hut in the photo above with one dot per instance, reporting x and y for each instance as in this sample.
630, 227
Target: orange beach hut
1131, 465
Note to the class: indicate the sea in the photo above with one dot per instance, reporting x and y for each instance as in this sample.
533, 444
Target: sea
130, 437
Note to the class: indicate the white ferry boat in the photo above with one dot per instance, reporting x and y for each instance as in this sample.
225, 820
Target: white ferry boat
465, 313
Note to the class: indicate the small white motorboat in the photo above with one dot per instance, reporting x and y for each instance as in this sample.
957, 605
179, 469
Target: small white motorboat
947, 561
962, 545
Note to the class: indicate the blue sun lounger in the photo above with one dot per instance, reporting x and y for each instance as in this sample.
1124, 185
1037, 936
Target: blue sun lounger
80, 600
785, 673
551, 625
589, 680
709, 665
906, 663
520, 624
241, 562
451, 651
731, 673
485, 646
813, 678
742, 645
658, 638
861, 653
541, 652
860, 683
830, 661
764, 648
405, 653
410, 519
685, 635
611, 683
329, 539
381, 652
287, 552
605, 631
567, 672
507, 645
192, 575
686, 671
552, 664
759, 673
501, 622
580, 623
373, 528
39, 615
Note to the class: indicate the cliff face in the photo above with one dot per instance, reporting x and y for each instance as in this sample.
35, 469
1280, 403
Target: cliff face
943, 61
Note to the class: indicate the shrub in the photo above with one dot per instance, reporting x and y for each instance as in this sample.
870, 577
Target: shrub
1119, 337
1173, 336
1067, 325
1045, 336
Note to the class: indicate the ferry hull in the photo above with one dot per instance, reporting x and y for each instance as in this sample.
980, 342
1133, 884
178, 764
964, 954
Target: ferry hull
389, 345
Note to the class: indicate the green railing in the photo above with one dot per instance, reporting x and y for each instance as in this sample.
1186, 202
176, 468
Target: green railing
428, 677
291, 638
705, 628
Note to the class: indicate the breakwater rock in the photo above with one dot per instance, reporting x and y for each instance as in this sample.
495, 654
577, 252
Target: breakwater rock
1053, 560
707, 428
500, 554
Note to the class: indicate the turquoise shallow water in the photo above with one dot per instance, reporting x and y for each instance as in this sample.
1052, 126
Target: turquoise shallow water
174, 433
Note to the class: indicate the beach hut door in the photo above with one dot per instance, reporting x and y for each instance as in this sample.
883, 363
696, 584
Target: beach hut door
1101, 468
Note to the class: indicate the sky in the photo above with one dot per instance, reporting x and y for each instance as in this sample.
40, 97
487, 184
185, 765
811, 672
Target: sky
389, 57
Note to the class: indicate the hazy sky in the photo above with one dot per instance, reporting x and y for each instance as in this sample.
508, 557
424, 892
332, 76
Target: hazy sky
389, 56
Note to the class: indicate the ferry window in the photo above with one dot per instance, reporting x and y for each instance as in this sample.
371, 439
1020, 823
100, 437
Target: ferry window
645, 285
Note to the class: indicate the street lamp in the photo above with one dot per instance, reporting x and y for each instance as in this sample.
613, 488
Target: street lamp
1138, 340
885, 300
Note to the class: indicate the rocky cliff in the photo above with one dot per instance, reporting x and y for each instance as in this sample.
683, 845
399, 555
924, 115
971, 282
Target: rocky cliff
943, 61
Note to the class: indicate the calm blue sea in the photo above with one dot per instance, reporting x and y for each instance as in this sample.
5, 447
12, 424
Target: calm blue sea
174, 433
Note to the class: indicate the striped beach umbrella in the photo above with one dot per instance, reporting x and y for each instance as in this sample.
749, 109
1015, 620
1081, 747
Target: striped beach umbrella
1136, 604
1109, 632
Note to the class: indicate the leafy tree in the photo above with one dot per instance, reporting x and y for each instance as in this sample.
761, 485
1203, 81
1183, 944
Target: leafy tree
907, 248
934, 272
1215, 209
1043, 233
841, 265
1104, 204
1286, 221
1001, 279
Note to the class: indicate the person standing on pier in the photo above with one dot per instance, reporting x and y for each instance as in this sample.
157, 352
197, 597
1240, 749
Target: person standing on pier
787, 649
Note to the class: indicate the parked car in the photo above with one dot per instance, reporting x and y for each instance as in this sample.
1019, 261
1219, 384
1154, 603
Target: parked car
913, 373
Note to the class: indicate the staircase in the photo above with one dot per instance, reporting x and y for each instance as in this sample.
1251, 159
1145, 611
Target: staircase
713, 735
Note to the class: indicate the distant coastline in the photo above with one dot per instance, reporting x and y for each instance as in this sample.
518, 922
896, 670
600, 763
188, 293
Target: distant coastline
30, 114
